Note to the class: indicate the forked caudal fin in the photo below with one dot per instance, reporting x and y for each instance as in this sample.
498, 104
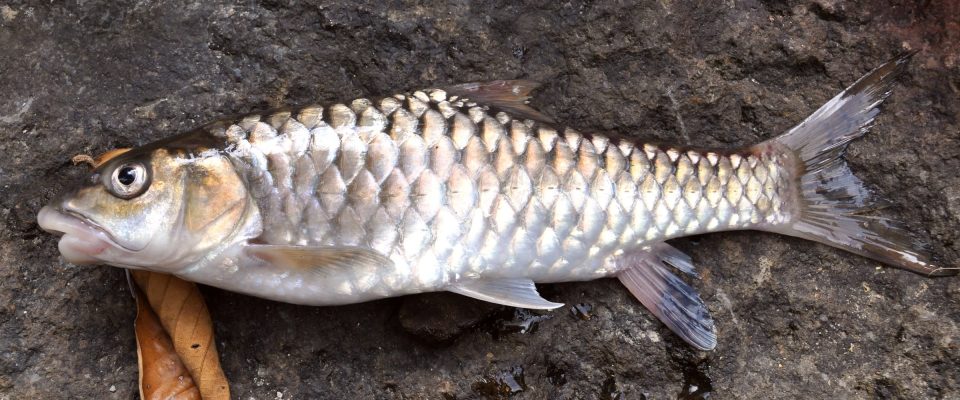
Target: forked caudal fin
832, 201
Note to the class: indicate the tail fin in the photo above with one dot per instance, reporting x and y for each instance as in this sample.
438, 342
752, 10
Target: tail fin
832, 200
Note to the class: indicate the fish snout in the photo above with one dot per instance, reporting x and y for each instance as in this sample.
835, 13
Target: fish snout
48, 221
79, 243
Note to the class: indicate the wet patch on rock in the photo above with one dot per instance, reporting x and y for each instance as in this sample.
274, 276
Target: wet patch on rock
696, 383
581, 311
501, 385
517, 320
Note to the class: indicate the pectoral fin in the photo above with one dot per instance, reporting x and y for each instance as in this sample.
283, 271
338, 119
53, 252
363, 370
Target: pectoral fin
647, 275
509, 292
318, 258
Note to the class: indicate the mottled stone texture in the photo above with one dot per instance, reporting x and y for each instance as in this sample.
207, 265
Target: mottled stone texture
795, 319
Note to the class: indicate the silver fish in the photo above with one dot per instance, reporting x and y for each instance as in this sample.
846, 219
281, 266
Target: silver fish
469, 190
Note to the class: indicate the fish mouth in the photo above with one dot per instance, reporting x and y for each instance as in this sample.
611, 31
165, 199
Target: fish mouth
83, 242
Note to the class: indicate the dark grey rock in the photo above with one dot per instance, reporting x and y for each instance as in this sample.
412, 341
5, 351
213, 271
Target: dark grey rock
795, 319
438, 318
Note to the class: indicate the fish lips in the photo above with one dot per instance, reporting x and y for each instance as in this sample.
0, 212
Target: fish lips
83, 242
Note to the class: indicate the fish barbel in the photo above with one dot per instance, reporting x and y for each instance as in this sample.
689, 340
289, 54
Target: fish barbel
466, 189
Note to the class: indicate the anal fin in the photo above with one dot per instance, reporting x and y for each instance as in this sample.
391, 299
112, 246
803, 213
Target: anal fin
509, 292
647, 276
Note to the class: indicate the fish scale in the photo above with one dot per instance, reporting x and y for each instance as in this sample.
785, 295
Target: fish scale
450, 189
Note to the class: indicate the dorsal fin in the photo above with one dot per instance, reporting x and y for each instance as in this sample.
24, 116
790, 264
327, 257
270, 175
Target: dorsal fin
511, 96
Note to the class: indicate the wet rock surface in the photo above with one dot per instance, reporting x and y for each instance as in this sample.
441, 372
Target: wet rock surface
795, 319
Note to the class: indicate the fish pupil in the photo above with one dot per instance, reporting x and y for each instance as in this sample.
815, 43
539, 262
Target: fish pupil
127, 175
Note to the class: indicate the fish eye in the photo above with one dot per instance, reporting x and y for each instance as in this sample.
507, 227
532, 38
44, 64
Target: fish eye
128, 180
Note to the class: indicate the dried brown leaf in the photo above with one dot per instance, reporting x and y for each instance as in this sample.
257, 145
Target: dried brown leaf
162, 374
184, 315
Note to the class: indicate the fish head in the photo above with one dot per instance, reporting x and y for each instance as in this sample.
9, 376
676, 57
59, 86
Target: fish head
156, 208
